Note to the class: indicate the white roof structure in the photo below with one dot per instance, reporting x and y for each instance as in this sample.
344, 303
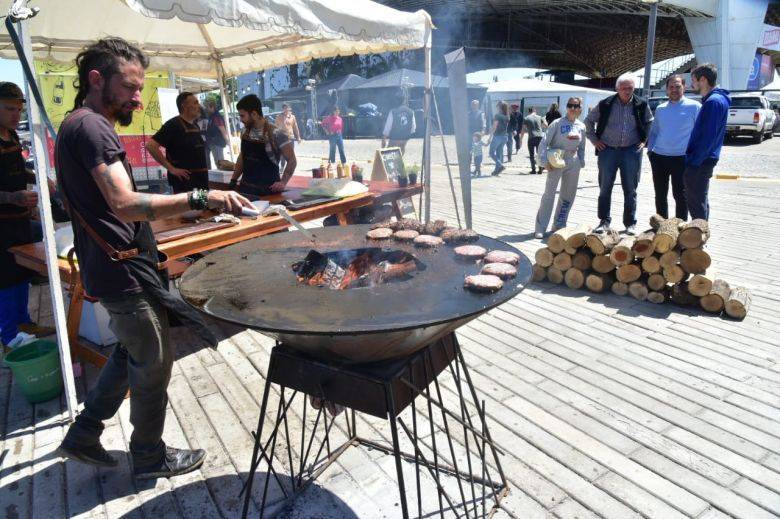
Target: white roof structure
188, 36
535, 85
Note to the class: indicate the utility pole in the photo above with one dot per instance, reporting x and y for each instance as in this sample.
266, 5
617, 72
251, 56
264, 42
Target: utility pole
650, 45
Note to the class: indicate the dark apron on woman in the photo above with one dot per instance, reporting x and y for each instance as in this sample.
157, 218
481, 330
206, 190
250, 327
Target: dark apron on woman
259, 171
14, 220
195, 161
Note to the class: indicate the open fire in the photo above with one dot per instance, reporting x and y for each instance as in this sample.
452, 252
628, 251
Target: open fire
356, 268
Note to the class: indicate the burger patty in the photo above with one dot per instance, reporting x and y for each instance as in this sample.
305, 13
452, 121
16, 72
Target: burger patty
459, 236
380, 233
427, 241
483, 283
386, 224
474, 252
434, 228
405, 235
407, 224
502, 270
502, 256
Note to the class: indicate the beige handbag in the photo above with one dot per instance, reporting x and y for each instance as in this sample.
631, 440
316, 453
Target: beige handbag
555, 159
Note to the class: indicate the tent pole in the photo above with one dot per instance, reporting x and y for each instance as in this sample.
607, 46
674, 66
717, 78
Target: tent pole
427, 138
226, 105
40, 156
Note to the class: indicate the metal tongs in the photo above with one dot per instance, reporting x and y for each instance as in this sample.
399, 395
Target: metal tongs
281, 211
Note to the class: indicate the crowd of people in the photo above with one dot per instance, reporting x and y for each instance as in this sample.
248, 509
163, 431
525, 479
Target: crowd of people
683, 141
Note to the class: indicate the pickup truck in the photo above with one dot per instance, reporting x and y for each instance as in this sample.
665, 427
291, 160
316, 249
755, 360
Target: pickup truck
750, 115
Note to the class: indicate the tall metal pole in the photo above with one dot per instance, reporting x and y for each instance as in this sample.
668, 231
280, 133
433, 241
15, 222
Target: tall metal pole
650, 48
427, 139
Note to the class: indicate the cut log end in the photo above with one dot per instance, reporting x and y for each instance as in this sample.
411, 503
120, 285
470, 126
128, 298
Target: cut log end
582, 260
619, 288
656, 297
738, 303
544, 257
651, 265
656, 282
715, 301
695, 261
694, 234
602, 243
628, 273
574, 278
638, 290
562, 261
539, 272
602, 264
555, 275
700, 285
597, 282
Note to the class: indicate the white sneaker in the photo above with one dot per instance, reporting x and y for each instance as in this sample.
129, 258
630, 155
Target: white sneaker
631, 230
538, 235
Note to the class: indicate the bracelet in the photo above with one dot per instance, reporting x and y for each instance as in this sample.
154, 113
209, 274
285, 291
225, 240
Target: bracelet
198, 199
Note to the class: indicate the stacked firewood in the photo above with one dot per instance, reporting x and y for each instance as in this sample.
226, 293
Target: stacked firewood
665, 263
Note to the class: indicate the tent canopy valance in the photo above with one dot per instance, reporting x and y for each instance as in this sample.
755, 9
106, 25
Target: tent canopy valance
188, 36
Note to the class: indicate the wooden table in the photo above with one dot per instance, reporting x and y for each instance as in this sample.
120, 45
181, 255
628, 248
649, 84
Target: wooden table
33, 255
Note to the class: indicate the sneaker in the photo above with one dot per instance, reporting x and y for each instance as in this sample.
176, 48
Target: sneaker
533, 172
175, 462
631, 230
602, 227
538, 235
21, 339
37, 329
92, 455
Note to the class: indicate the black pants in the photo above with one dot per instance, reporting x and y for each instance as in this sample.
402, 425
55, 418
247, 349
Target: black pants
666, 167
141, 362
199, 180
697, 188
509, 147
533, 144
517, 141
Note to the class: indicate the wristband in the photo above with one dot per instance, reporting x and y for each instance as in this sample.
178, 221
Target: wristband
198, 199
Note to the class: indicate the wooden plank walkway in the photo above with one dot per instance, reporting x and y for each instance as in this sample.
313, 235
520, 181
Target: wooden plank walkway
606, 406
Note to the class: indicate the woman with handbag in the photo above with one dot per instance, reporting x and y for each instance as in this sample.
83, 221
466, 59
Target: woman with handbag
562, 152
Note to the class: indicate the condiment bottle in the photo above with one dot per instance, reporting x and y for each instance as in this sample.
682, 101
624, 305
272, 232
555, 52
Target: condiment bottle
329, 171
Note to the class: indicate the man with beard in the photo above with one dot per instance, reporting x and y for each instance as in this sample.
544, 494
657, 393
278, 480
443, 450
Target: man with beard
185, 156
262, 146
17, 206
118, 261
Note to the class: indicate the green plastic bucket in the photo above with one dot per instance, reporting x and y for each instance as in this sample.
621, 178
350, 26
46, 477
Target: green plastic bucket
36, 369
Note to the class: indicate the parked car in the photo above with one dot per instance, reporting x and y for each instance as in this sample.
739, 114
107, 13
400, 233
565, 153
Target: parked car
752, 115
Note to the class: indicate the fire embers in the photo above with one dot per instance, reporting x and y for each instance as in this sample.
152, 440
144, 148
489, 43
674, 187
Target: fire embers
355, 268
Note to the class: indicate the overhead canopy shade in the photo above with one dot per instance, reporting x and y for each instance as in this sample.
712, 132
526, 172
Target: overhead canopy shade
188, 36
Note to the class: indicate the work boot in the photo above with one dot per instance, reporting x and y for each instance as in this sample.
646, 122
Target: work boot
175, 462
36, 329
631, 230
602, 227
92, 455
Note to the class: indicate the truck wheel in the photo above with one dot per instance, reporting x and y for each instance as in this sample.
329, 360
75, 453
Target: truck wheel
758, 138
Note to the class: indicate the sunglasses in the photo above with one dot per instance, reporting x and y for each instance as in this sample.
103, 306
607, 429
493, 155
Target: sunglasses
574, 107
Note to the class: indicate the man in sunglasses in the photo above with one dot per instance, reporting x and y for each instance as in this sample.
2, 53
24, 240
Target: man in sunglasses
618, 128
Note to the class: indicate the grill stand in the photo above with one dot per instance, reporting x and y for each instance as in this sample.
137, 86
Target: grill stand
384, 390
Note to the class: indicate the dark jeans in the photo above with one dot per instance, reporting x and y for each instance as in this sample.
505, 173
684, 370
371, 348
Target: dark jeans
13, 310
697, 188
533, 145
477, 164
517, 141
141, 362
336, 141
666, 167
629, 161
509, 147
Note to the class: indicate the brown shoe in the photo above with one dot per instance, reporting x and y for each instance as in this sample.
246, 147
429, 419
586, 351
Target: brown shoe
36, 329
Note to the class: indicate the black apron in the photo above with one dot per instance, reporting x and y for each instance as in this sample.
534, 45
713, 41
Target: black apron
14, 220
259, 171
194, 161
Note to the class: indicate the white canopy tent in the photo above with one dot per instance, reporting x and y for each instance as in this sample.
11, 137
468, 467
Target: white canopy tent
203, 38
537, 93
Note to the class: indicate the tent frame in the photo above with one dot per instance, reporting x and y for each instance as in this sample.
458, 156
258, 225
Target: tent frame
20, 13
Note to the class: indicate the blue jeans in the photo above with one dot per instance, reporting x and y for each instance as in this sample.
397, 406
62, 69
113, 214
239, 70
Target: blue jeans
477, 164
336, 140
697, 188
629, 161
13, 310
497, 149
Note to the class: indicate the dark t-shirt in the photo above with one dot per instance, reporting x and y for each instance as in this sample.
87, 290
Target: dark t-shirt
87, 139
13, 176
503, 123
183, 144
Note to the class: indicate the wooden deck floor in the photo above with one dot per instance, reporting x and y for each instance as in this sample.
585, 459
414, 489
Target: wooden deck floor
607, 407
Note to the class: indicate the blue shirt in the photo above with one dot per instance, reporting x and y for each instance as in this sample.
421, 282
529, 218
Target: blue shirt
672, 127
710, 128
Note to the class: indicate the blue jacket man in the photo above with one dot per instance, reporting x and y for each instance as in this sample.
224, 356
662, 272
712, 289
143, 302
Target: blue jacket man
706, 140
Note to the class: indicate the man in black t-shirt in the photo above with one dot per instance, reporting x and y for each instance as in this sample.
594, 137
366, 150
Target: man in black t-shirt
116, 252
185, 156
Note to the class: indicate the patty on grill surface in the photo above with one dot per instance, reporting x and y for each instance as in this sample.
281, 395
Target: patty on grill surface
483, 283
